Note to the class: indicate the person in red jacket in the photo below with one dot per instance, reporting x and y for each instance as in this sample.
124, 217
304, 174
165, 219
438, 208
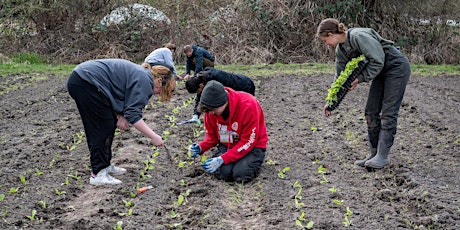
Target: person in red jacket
235, 123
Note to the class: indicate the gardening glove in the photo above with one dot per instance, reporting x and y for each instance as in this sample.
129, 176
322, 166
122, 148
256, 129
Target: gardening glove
194, 120
194, 149
211, 165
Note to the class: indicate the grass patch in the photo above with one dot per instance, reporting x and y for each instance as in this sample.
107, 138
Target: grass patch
28, 67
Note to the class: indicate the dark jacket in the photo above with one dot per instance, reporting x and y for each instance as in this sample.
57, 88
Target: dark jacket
198, 53
238, 82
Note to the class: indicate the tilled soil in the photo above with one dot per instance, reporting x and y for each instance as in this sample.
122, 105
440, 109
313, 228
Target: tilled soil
308, 179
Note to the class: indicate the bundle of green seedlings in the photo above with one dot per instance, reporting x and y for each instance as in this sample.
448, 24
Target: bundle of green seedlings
340, 86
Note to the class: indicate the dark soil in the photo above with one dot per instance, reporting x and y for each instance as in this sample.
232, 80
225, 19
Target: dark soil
44, 163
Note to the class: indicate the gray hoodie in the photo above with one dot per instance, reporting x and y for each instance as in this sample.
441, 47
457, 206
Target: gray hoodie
127, 85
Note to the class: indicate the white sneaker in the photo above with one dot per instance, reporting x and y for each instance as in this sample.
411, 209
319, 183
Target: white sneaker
115, 171
103, 178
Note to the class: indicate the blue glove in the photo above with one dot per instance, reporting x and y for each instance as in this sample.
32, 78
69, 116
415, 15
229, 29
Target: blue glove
194, 149
211, 165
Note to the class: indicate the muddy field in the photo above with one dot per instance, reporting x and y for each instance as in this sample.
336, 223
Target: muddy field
308, 179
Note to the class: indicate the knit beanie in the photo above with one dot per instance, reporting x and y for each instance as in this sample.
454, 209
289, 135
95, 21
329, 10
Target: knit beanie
214, 94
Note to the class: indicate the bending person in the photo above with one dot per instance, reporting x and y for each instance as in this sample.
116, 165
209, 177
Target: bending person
196, 84
388, 70
112, 93
235, 124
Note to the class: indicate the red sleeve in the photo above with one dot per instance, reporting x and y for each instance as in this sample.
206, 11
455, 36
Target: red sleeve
248, 137
212, 137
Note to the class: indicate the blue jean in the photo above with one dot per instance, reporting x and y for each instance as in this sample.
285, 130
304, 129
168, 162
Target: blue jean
385, 97
243, 170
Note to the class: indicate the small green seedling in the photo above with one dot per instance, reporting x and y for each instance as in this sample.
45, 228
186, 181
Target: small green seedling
332, 190
349, 212
270, 162
42, 203
282, 172
322, 170
38, 172
128, 203
119, 225
346, 222
338, 202
14, 190
173, 214
2, 197
23, 179
32, 216
59, 192
324, 180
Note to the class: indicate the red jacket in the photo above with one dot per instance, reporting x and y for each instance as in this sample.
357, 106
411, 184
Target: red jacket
245, 124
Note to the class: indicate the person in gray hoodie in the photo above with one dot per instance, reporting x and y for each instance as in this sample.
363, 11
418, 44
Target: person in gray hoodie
110, 94
388, 70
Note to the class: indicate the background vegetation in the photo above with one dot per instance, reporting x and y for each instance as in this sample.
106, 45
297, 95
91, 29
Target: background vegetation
242, 31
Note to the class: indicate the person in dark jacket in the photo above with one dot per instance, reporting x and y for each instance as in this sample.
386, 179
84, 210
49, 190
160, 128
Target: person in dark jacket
238, 82
111, 93
387, 68
198, 58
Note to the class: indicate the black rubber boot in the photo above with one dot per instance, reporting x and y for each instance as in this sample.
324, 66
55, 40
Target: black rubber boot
383, 150
370, 156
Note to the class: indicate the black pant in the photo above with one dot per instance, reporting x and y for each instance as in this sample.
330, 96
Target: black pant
98, 120
385, 97
243, 170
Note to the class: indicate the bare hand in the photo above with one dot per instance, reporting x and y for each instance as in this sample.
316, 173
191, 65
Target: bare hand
354, 84
157, 140
327, 113
122, 123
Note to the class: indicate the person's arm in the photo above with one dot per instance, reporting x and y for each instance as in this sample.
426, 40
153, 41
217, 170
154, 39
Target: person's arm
144, 129
188, 65
197, 102
199, 60
212, 137
373, 51
169, 62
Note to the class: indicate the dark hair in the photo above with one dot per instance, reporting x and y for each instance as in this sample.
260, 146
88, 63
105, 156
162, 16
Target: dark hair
204, 108
330, 25
187, 48
192, 84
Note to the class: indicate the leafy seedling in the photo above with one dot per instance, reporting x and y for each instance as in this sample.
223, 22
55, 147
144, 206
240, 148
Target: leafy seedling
59, 192
32, 216
14, 190
128, 203
2, 197
119, 225
42, 203
338, 202
38, 172
23, 179
282, 172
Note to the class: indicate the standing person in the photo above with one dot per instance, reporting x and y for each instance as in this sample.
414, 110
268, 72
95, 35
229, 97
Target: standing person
112, 93
196, 84
235, 123
163, 56
197, 59
388, 69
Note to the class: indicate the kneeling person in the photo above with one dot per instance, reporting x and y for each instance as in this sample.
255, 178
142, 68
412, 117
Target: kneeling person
235, 123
